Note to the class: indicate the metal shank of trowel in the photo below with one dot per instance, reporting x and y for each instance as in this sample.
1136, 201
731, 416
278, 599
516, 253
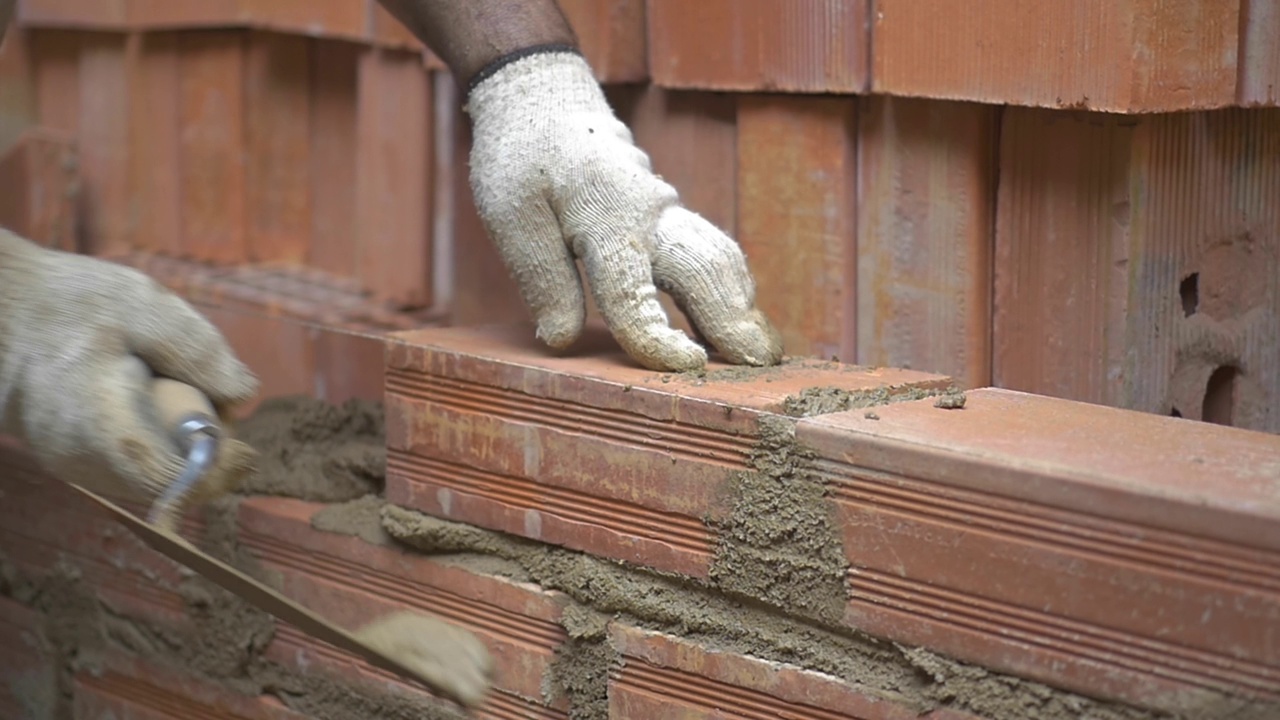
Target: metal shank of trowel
192, 423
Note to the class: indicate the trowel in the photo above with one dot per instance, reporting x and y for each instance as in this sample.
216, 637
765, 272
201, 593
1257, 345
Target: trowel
444, 658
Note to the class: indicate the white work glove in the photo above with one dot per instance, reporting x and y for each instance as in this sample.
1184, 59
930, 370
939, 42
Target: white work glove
79, 339
556, 176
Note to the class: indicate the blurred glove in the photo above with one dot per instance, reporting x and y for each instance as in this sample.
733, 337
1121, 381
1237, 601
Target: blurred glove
79, 341
556, 176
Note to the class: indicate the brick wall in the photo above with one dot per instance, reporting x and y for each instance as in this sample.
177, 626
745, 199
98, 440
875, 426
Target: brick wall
991, 211
942, 191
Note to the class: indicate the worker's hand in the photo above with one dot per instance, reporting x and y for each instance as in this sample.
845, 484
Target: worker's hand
79, 339
556, 177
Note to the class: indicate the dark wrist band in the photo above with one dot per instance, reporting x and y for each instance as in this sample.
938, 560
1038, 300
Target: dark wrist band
494, 66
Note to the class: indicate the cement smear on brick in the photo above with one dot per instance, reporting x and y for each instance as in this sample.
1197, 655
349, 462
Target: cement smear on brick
581, 669
314, 450
359, 518
815, 401
780, 542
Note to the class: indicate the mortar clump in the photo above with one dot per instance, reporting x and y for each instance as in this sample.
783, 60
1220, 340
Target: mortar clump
780, 543
318, 451
815, 401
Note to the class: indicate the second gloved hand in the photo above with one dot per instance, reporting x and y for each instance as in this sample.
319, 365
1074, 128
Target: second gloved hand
80, 338
556, 177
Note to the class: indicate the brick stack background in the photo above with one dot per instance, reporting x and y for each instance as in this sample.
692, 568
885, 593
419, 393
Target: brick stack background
948, 187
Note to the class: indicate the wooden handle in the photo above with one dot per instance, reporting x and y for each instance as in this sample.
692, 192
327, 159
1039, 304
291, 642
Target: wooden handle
176, 402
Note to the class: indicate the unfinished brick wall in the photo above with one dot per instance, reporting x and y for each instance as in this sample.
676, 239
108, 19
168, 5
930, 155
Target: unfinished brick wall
915, 190
272, 133
815, 540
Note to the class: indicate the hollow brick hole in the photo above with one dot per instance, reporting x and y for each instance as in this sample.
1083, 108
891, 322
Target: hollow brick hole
1189, 290
1220, 395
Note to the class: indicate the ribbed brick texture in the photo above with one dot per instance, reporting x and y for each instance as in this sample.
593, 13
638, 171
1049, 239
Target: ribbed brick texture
588, 451
759, 45
1022, 532
349, 581
926, 219
1131, 56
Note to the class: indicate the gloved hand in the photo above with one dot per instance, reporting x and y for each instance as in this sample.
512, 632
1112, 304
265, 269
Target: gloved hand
557, 176
80, 338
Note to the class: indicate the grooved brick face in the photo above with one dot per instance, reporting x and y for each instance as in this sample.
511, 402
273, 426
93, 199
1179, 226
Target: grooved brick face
1142, 55
1118, 554
350, 582
137, 690
585, 450
665, 676
759, 45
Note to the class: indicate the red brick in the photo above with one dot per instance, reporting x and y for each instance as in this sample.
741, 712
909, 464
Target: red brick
101, 15
1062, 541
333, 157
1144, 55
665, 676
346, 19
29, 686
611, 34
181, 14
587, 450
17, 89
212, 145
155, 208
386, 30
1102, 222
1259, 53
349, 582
797, 190
927, 186
483, 290
393, 171
132, 689
278, 142
41, 184
759, 45
103, 143
55, 61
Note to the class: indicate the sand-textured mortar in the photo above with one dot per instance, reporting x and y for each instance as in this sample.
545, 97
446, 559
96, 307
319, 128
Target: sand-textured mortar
780, 543
313, 450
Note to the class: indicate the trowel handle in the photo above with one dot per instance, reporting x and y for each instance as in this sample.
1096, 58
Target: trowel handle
182, 409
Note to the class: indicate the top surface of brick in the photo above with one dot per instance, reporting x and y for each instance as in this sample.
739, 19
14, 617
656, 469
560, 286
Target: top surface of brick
510, 357
1219, 481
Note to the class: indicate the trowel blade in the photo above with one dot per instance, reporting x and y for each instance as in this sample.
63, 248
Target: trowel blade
259, 595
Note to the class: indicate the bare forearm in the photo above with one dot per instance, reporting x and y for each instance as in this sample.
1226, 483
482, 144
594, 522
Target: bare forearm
467, 35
